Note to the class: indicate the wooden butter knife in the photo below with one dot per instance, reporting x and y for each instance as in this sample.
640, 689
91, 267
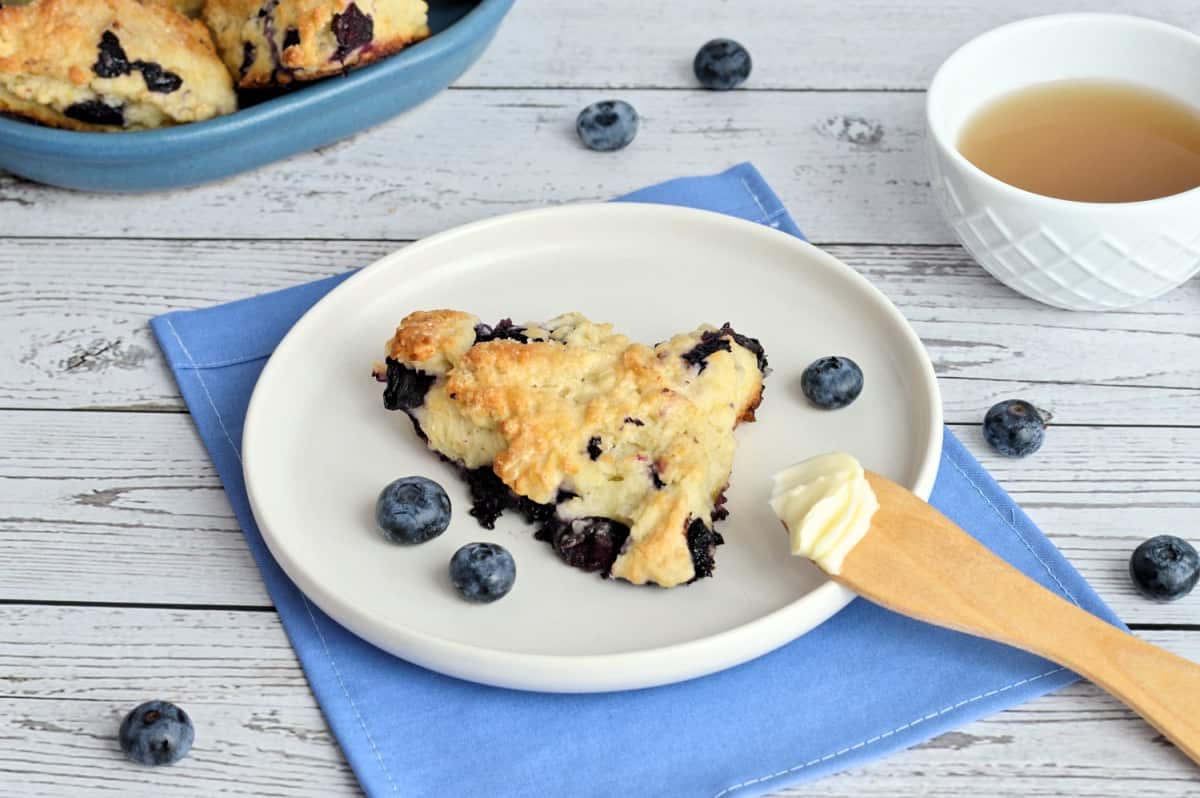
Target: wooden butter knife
917, 562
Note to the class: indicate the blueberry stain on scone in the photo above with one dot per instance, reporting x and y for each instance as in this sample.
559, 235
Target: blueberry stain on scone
618, 453
589, 544
95, 112
249, 55
406, 387
702, 545
698, 355
158, 79
504, 330
112, 62
352, 29
714, 341
655, 479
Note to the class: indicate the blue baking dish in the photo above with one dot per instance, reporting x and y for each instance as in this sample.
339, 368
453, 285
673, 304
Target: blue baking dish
309, 116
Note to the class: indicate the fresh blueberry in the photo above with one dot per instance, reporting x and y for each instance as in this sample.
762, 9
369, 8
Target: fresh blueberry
156, 733
1014, 428
832, 382
412, 510
482, 572
722, 64
1165, 568
607, 125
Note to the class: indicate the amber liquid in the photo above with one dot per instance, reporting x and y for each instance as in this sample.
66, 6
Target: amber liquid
1087, 140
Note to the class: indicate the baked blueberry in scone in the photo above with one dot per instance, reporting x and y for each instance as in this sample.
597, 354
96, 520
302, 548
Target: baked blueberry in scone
618, 452
109, 65
273, 42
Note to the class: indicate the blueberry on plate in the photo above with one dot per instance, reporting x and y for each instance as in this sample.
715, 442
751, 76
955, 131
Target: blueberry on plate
832, 382
722, 64
412, 510
1014, 428
156, 733
1165, 568
607, 125
482, 572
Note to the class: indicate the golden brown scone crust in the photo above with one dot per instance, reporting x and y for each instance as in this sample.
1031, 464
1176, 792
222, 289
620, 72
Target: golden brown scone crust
533, 410
190, 8
156, 66
273, 42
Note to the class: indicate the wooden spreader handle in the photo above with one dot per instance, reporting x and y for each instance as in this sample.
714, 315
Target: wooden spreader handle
917, 562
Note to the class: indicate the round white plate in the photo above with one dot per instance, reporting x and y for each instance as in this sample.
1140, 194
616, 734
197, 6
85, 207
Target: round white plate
318, 445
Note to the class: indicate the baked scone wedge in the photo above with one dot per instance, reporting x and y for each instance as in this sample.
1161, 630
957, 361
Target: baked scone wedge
619, 452
275, 42
109, 65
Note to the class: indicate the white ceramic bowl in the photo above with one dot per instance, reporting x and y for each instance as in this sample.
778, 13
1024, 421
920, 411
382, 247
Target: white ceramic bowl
1074, 255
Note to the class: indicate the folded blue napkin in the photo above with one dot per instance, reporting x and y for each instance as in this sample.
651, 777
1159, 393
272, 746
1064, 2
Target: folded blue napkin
863, 684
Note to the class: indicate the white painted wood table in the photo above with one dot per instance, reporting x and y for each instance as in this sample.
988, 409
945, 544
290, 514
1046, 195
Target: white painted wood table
123, 574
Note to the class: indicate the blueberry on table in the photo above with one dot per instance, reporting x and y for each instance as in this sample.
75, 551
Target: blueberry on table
722, 64
832, 382
156, 733
482, 572
1165, 568
412, 510
1014, 428
607, 125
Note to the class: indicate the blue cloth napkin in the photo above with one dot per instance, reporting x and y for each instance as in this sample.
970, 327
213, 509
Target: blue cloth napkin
863, 684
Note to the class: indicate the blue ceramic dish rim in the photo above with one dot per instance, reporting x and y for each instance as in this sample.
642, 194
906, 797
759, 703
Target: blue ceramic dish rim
81, 145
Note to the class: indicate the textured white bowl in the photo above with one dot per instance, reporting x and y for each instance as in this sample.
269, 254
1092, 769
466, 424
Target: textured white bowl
1074, 255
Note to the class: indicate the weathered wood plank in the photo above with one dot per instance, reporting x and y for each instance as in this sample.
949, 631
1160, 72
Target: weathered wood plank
63, 748
73, 326
849, 164
117, 507
259, 731
126, 507
827, 44
68, 674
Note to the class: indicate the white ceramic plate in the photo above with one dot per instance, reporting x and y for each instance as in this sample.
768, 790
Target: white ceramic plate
318, 445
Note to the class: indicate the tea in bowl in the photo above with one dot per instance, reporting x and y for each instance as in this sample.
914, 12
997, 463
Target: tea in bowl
1065, 153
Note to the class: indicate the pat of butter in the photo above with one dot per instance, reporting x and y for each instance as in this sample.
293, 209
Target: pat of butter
826, 504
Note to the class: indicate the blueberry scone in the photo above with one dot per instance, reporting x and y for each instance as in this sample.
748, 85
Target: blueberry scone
272, 42
109, 65
191, 8
619, 452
